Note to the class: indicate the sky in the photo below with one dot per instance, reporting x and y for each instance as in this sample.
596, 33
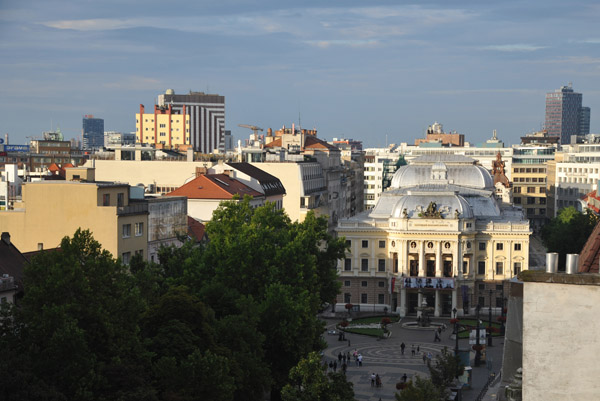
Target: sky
376, 71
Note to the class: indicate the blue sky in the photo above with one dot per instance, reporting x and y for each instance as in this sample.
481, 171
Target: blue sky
357, 69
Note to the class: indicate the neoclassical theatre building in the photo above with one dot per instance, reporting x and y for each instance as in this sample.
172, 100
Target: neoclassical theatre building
439, 235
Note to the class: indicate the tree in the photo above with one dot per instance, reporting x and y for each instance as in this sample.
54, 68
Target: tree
568, 232
309, 382
420, 390
77, 326
446, 369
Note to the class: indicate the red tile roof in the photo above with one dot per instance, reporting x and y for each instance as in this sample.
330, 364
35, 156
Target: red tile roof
196, 230
589, 257
310, 142
214, 186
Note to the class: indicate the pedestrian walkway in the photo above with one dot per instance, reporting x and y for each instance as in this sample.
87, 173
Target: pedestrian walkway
384, 357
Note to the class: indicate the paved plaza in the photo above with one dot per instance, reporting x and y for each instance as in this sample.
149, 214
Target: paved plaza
384, 357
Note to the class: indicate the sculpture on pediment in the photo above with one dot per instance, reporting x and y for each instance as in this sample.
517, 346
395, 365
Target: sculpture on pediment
431, 212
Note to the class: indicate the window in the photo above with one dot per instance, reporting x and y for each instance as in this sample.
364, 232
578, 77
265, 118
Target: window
517, 268
499, 302
517, 201
517, 190
140, 252
364, 284
542, 212
348, 243
542, 190
381, 284
120, 199
363, 298
347, 283
382, 244
517, 246
347, 264
106, 200
139, 229
481, 287
365, 243
530, 190
482, 246
531, 201
126, 230
481, 301
499, 246
381, 299
347, 298
126, 257
481, 267
381, 265
499, 268
464, 267
499, 287
542, 201
364, 265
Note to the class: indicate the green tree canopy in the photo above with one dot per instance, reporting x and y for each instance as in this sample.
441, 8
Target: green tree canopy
568, 231
309, 382
420, 390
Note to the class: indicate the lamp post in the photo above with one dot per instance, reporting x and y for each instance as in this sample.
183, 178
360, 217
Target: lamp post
455, 332
490, 321
477, 350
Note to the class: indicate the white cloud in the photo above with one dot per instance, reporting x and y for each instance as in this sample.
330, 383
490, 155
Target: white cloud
517, 47
324, 44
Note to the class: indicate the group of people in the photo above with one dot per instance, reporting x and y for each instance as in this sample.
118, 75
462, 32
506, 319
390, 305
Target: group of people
343, 360
375, 380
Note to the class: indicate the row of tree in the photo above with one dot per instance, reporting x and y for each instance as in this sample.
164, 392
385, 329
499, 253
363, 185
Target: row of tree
225, 321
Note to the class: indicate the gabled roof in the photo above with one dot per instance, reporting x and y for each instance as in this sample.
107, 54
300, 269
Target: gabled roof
214, 186
270, 184
196, 230
12, 262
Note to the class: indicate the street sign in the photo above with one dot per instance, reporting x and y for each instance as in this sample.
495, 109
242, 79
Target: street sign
1, 141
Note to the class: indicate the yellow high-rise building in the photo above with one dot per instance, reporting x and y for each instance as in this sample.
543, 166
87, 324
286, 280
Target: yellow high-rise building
164, 128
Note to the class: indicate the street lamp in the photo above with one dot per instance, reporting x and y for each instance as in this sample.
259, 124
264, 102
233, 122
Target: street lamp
490, 323
477, 346
455, 332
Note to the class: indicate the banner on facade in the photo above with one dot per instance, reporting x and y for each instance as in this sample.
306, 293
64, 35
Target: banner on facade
473, 336
393, 285
434, 283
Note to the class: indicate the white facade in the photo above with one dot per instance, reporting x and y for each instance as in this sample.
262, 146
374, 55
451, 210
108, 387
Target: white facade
439, 225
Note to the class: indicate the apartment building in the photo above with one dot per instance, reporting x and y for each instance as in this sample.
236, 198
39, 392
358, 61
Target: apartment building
51, 210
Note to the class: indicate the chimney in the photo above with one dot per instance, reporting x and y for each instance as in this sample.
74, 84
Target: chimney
551, 262
200, 171
6, 238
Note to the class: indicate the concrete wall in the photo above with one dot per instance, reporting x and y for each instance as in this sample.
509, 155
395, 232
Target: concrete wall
561, 342
512, 358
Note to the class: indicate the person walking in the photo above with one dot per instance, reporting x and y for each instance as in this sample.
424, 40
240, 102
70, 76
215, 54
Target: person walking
424, 358
359, 360
412, 350
373, 379
404, 378
344, 358
377, 381
340, 357
402, 346
418, 349
334, 366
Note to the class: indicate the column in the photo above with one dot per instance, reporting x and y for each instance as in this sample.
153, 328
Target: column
456, 261
454, 300
420, 302
438, 304
403, 305
404, 249
438, 259
422, 271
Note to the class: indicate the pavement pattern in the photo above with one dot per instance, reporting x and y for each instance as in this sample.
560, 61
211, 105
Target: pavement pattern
384, 357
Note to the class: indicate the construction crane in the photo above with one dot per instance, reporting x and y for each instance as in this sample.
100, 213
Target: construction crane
254, 128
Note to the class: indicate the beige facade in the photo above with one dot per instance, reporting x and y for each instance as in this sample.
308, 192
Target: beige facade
162, 176
51, 210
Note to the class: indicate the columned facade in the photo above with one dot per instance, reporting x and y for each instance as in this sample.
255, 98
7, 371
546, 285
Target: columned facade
433, 242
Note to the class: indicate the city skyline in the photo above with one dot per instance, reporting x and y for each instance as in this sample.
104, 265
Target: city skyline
380, 73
